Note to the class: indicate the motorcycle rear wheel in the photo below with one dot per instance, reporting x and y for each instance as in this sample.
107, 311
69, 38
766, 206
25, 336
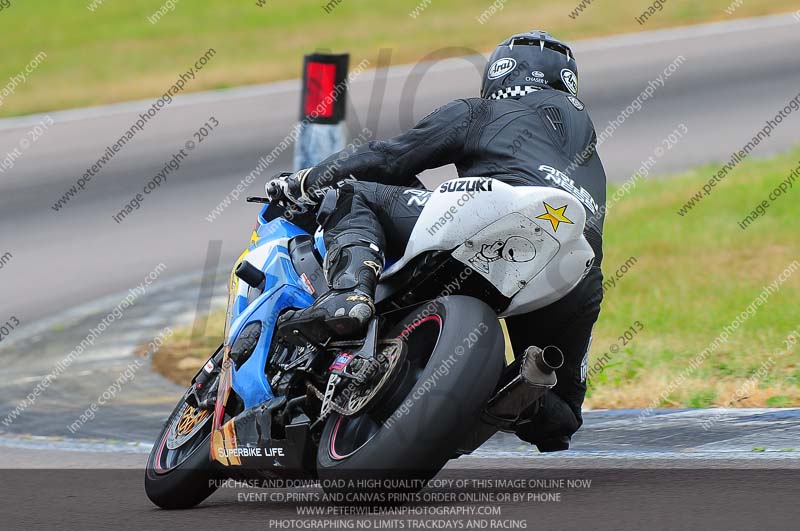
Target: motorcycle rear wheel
453, 362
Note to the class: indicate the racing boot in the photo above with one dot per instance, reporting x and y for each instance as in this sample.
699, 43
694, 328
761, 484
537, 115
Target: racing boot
352, 270
551, 425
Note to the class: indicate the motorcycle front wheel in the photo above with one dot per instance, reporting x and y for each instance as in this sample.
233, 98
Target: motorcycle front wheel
180, 473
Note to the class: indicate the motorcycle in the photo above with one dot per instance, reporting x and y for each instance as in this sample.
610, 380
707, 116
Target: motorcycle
434, 376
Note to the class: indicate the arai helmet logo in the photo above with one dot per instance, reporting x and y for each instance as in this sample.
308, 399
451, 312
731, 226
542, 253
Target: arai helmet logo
570, 80
537, 73
502, 67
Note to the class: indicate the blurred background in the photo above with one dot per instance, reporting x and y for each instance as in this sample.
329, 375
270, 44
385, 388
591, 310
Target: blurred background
196, 101
102, 51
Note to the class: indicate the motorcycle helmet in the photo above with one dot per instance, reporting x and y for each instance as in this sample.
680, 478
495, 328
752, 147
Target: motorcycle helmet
528, 62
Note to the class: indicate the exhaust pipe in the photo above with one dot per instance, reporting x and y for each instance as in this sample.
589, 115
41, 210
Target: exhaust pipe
536, 376
547, 361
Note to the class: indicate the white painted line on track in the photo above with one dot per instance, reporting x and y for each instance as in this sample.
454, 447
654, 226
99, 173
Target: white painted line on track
688, 32
143, 447
639, 455
34, 442
293, 85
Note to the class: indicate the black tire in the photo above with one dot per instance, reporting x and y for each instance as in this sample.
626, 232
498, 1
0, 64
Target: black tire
189, 481
418, 442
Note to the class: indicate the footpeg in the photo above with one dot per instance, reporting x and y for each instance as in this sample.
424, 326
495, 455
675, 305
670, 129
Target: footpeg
290, 330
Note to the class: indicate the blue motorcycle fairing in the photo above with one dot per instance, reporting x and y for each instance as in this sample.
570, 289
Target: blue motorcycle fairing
283, 289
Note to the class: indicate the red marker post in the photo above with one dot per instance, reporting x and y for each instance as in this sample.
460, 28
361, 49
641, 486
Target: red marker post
322, 108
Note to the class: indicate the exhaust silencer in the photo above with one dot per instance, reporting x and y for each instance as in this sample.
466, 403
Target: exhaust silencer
548, 360
514, 401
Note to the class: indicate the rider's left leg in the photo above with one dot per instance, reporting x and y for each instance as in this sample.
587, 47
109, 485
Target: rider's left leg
355, 218
352, 267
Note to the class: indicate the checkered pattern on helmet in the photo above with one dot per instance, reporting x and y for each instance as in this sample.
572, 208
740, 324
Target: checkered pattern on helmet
513, 92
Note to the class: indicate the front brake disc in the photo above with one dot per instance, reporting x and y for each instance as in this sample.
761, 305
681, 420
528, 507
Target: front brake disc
190, 421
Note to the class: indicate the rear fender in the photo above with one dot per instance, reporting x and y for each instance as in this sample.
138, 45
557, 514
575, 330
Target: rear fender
527, 241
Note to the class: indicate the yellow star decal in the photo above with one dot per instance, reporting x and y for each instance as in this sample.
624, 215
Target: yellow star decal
555, 216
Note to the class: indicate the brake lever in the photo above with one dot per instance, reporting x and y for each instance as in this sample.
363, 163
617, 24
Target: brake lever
256, 199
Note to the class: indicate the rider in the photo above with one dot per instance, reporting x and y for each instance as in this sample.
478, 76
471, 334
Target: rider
528, 128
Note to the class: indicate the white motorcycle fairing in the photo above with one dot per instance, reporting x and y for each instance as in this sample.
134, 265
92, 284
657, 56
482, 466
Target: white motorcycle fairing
527, 241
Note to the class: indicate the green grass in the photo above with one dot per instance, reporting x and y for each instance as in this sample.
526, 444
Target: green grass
186, 351
694, 275
115, 54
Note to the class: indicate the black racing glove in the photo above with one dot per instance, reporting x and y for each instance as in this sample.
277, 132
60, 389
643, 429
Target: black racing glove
287, 188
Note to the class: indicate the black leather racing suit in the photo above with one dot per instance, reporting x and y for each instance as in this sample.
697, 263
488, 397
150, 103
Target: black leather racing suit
545, 138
